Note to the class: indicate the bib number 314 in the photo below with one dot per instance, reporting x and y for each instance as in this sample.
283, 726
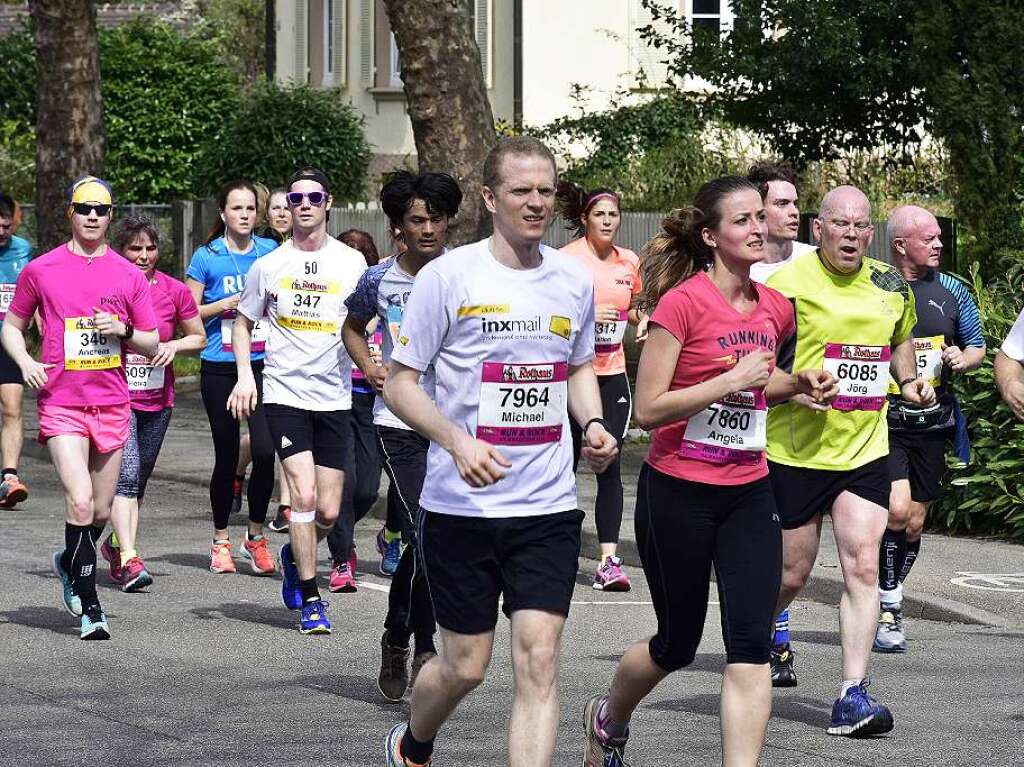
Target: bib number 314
522, 403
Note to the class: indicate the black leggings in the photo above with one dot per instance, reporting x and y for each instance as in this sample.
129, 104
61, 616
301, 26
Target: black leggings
217, 379
362, 477
616, 404
682, 529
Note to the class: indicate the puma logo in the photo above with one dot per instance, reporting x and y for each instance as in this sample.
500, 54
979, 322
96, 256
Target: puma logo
941, 307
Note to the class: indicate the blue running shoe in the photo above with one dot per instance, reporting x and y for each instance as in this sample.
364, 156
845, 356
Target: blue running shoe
392, 748
291, 594
858, 715
94, 624
70, 600
390, 553
314, 618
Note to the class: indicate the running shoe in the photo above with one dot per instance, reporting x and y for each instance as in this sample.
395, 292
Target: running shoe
258, 554
858, 715
393, 748
112, 554
390, 553
94, 624
12, 492
220, 558
781, 661
69, 599
236, 495
314, 618
279, 524
610, 576
135, 576
889, 636
393, 679
419, 660
291, 593
599, 752
341, 580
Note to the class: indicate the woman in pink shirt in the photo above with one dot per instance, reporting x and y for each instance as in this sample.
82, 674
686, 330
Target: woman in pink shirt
706, 375
151, 387
94, 308
595, 218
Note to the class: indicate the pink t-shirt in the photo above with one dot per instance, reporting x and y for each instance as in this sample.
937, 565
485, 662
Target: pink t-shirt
65, 288
723, 444
152, 388
616, 282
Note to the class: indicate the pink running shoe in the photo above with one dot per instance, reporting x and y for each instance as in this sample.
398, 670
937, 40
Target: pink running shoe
135, 576
341, 580
112, 554
610, 576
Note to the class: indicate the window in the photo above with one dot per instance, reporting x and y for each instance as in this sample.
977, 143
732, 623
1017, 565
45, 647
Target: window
329, 42
706, 16
395, 66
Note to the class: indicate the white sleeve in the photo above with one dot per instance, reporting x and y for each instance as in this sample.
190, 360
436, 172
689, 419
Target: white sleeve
253, 303
1013, 345
583, 346
425, 321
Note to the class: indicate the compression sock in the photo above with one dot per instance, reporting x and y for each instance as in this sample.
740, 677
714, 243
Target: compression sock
781, 637
890, 558
913, 549
310, 593
81, 562
415, 751
396, 639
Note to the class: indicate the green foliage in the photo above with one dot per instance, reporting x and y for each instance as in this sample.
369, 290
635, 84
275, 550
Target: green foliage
987, 496
17, 159
242, 25
18, 78
164, 95
276, 129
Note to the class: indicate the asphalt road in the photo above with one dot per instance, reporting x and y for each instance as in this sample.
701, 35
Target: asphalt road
209, 670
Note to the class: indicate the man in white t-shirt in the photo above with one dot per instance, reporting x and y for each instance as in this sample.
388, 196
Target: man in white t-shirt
307, 392
1009, 367
508, 326
777, 184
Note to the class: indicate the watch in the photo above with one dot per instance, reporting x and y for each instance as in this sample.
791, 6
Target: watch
129, 329
905, 381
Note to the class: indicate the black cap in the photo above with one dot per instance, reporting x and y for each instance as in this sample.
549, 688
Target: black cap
310, 174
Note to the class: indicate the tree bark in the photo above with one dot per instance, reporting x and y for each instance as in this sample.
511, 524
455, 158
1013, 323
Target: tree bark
69, 121
446, 98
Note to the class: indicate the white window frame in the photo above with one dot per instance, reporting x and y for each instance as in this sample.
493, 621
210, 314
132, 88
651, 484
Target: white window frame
395, 75
724, 16
329, 43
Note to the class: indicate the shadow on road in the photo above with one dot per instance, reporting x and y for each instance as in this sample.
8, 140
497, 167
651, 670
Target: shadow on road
809, 711
358, 688
198, 561
47, 618
250, 612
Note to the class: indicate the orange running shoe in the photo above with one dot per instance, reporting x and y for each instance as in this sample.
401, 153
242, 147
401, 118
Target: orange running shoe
12, 492
259, 556
220, 558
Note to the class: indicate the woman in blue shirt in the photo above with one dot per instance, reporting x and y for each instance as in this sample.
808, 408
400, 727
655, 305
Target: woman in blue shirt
216, 277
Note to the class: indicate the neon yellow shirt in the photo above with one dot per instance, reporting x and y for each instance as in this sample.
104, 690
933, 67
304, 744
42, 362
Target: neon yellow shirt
846, 324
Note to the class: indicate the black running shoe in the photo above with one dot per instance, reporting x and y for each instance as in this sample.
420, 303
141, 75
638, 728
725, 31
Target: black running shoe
783, 674
279, 524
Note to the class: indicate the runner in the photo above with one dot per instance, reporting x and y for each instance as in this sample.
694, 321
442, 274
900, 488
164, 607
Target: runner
595, 218
216, 276
508, 325
420, 207
362, 469
1009, 368
300, 289
947, 340
278, 216
777, 185
706, 377
151, 388
855, 316
14, 256
94, 307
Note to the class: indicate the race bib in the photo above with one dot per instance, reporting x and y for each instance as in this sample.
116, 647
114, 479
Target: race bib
142, 374
394, 321
6, 296
85, 348
227, 325
608, 335
862, 373
928, 354
309, 304
732, 430
522, 403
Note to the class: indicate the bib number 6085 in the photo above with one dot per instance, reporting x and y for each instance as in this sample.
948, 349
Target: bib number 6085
851, 371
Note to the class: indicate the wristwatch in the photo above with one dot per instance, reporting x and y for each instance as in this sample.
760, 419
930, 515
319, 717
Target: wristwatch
129, 329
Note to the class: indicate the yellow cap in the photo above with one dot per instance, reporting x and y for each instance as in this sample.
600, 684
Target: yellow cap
91, 189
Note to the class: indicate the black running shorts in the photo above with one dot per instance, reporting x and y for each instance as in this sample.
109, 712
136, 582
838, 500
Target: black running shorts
10, 373
921, 458
325, 433
802, 493
472, 561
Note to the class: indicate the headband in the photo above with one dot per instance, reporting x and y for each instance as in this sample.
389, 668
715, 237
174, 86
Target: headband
90, 189
595, 197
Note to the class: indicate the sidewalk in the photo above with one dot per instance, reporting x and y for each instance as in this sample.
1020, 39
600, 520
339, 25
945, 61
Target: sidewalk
960, 580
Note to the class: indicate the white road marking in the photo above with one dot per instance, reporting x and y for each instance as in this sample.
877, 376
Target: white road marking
1011, 582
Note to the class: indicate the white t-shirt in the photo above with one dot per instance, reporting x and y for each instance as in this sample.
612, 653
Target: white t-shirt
501, 341
760, 272
1013, 345
302, 294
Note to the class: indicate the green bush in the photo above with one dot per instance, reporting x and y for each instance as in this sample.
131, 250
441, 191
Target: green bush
987, 496
18, 77
277, 129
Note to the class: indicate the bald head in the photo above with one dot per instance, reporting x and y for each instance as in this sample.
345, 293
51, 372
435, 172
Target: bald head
915, 242
843, 227
842, 199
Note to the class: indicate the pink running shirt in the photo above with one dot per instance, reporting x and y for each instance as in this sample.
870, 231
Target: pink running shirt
65, 287
152, 388
720, 446
616, 282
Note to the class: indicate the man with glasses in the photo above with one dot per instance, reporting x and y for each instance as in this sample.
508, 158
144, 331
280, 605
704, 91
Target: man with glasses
947, 340
307, 391
855, 318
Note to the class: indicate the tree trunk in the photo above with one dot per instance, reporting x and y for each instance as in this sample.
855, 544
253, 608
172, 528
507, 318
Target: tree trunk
69, 121
446, 98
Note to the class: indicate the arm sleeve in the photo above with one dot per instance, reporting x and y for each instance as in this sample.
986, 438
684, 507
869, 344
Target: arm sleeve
583, 346
424, 327
253, 303
1012, 346
968, 327
362, 303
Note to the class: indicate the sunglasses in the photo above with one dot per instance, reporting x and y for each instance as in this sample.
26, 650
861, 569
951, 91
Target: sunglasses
315, 198
85, 208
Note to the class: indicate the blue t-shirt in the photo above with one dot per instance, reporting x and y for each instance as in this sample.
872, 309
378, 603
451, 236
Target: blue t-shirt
223, 274
13, 258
